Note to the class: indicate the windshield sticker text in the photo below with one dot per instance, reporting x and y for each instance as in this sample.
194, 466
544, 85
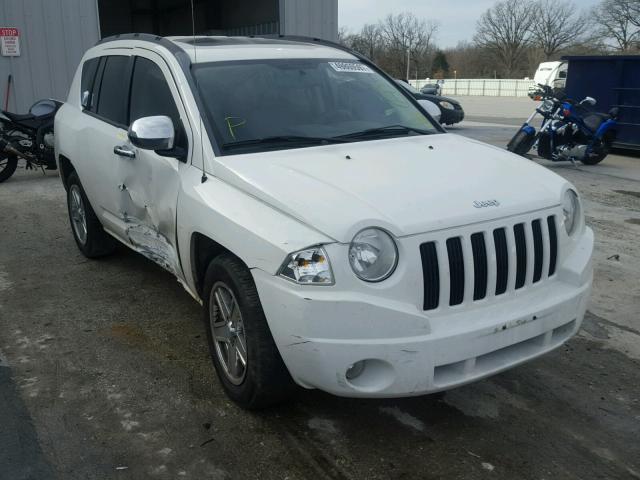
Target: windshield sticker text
349, 67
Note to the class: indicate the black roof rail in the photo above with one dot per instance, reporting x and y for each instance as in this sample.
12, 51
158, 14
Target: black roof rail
147, 37
313, 40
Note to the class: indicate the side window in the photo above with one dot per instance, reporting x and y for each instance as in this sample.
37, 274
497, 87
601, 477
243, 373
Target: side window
150, 95
89, 69
112, 101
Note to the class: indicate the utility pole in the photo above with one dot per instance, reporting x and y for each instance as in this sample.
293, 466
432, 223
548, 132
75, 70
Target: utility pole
408, 61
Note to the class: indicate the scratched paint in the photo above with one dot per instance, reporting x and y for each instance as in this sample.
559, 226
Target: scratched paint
154, 246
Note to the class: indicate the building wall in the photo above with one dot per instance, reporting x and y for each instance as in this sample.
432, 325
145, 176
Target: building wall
54, 34
311, 18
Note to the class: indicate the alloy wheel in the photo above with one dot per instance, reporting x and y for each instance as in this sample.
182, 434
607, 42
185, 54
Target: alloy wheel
78, 214
228, 332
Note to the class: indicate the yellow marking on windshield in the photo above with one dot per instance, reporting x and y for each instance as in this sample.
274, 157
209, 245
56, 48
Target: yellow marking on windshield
232, 126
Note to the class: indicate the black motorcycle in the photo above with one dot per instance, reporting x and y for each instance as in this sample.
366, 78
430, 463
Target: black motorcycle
28, 137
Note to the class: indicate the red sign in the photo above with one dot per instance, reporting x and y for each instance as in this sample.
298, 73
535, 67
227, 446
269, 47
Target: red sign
9, 32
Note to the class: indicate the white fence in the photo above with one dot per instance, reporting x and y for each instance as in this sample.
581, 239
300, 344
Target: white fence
482, 87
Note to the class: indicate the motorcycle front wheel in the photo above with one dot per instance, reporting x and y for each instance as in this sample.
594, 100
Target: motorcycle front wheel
521, 143
8, 165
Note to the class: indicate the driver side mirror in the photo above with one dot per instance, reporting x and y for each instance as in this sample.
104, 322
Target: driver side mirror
589, 101
153, 133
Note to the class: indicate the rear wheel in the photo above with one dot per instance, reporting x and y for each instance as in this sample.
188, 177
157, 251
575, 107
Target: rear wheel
242, 348
599, 153
8, 165
87, 230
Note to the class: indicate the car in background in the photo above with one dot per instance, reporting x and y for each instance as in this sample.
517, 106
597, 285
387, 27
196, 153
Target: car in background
450, 110
432, 89
431, 108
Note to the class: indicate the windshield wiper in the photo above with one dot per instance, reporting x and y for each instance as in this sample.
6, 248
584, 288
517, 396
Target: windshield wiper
284, 140
388, 130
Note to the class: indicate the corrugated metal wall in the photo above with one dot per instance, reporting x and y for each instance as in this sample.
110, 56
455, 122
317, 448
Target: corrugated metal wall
54, 34
312, 18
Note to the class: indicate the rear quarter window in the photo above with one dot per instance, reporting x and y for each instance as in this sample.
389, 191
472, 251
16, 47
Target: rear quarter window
89, 69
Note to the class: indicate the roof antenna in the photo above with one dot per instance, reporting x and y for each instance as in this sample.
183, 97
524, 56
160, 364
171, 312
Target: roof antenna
195, 60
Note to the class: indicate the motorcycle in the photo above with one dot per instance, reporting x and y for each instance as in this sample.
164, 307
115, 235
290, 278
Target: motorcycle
28, 137
570, 131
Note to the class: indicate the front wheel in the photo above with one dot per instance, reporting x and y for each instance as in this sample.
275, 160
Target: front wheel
242, 348
521, 142
8, 165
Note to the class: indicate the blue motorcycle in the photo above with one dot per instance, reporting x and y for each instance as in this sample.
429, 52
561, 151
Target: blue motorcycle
570, 131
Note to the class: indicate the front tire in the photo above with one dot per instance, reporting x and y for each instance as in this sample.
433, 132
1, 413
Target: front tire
87, 230
242, 348
8, 165
521, 143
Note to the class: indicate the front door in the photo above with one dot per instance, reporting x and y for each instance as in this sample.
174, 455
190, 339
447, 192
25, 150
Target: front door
149, 182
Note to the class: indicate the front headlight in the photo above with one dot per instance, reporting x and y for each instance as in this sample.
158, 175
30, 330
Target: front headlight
447, 105
308, 267
571, 211
547, 106
373, 255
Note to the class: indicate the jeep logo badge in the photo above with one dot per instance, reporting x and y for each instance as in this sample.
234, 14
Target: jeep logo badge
486, 203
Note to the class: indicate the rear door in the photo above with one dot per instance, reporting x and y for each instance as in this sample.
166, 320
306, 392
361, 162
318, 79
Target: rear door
104, 125
149, 181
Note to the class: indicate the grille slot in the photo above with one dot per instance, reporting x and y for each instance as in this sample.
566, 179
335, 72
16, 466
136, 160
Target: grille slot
553, 244
521, 257
502, 260
431, 273
537, 250
479, 266
456, 270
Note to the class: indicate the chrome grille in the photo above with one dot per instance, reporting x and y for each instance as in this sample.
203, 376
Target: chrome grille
488, 262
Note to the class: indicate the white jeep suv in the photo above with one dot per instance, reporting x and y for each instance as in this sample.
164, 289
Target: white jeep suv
335, 235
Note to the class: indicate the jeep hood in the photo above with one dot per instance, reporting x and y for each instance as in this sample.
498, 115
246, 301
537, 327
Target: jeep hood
406, 185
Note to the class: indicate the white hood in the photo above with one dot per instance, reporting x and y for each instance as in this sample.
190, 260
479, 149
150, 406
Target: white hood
406, 185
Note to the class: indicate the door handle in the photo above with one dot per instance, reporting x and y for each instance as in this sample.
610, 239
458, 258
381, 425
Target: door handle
124, 151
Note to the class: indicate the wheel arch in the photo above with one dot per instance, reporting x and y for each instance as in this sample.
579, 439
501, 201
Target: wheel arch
203, 250
66, 168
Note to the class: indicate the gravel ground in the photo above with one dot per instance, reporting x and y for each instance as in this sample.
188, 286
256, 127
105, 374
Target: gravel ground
110, 375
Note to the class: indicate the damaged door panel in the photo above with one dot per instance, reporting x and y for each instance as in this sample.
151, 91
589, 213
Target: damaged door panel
148, 195
148, 182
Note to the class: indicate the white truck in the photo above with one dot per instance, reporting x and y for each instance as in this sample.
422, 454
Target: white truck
337, 237
551, 74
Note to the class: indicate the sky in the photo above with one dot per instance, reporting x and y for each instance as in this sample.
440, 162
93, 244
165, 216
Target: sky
457, 17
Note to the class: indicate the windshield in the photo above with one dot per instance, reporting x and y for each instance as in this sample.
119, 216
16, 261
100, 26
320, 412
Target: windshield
255, 105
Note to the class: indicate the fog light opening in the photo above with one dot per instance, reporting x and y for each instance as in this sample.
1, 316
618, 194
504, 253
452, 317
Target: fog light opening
355, 370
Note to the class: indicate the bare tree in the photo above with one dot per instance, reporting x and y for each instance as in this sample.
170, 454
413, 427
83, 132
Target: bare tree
404, 33
558, 25
634, 10
343, 35
505, 31
368, 42
618, 21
